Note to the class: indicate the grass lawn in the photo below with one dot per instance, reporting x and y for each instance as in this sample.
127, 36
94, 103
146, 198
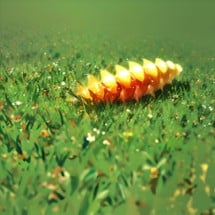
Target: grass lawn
61, 156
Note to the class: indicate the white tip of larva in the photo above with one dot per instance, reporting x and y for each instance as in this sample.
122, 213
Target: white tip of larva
178, 68
170, 65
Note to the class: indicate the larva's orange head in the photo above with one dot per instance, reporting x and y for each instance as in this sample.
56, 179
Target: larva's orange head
83, 92
95, 86
123, 76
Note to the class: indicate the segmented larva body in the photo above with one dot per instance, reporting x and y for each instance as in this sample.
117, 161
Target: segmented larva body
132, 83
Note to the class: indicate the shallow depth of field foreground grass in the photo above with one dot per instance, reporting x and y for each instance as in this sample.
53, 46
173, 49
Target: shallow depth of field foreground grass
61, 156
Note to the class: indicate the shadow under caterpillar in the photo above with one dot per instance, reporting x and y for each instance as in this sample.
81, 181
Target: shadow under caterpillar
127, 84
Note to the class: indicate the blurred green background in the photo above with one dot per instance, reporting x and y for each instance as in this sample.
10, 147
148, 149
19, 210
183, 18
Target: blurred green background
184, 21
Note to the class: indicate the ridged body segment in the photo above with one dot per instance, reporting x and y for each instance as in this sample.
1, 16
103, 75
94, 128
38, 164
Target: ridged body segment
132, 83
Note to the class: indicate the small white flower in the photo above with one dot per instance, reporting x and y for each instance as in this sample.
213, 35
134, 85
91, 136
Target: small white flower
210, 108
90, 138
17, 103
150, 116
204, 106
156, 141
128, 110
54, 64
97, 131
106, 142
63, 83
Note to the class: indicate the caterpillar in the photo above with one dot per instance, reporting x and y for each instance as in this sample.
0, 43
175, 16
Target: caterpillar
127, 84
